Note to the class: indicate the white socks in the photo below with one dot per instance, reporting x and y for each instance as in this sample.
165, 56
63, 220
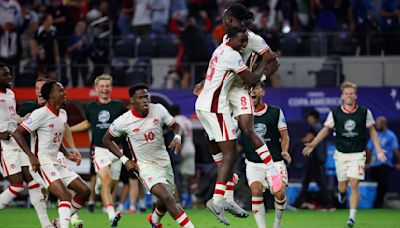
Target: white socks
9, 194
258, 209
39, 203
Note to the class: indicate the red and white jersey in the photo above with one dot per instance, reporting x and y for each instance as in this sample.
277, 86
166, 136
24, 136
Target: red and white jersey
255, 46
49, 128
8, 121
145, 134
224, 62
187, 129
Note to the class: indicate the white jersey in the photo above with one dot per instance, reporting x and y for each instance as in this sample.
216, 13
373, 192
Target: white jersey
256, 45
8, 121
224, 62
49, 128
145, 134
187, 128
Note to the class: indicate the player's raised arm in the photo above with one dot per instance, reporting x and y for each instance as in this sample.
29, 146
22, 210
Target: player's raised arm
253, 77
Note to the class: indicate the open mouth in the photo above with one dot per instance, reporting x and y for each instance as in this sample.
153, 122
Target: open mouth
253, 97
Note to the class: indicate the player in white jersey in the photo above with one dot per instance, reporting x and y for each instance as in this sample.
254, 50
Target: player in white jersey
49, 122
187, 165
14, 161
142, 126
213, 111
239, 99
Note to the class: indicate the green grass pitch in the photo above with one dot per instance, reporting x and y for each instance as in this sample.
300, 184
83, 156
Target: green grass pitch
26, 218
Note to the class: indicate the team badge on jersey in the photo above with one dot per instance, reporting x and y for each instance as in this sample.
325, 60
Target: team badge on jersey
104, 116
155, 122
349, 125
28, 121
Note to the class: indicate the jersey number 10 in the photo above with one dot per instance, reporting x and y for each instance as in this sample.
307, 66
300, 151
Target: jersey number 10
149, 136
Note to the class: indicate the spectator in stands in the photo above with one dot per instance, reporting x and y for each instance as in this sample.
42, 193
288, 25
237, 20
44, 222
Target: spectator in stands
314, 168
390, 14
62, 22
30, 21
195, 54
45, 48
268, 34
142, 20
342, 13
379, 171
10, 47
77, 50
324, 10
10, 10
360, 23
286, 15
125, 16
160, 16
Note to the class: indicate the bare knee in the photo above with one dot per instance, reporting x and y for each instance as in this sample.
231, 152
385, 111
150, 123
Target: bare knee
280, 195
256, 189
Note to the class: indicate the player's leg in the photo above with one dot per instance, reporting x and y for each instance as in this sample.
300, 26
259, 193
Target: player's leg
82, 194
133, 194
159, 211
256, 178
354, 198
53, 179
92, 199
36, 197
106, 182
161, 191
341, 166
280, 197
12, 171
229, 203
246, 124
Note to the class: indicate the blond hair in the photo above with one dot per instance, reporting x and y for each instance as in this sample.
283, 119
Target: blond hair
348, 85
103, 77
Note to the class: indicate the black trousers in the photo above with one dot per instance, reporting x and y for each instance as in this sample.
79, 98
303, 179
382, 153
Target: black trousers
380, 174
314, 170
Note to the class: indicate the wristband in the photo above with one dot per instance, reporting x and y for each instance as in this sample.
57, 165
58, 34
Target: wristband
178, 137
123, 159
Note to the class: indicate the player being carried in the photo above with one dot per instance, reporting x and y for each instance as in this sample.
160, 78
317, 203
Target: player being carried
351, 124
239, 99
271, 126
142, 125
214, 113
49, 123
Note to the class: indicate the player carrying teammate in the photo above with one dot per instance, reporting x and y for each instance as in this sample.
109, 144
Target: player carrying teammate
351, 123
239, 99
49, 122
270, 125
214, 113
14, 161
142, 126
100, 114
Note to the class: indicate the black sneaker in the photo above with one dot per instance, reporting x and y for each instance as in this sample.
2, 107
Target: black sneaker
350, 223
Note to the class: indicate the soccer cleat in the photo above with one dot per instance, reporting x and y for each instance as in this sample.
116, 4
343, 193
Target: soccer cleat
233, 208
350, 223
235, 178
55, 223
341, 197
90, 207
218, 211
77, 223
115, 220
153, 225
276, 183
277, 224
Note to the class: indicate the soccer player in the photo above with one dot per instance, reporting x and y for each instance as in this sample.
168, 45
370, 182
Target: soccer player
142, 126
239, 99
49, 122
270, 125
100, 114
14, 161
351, 123
214, 113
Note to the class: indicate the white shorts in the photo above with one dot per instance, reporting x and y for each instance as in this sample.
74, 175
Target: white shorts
350, 165
103, 157
219, 126
52, 172
258, 172
151, 175
240, 101
12, 160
